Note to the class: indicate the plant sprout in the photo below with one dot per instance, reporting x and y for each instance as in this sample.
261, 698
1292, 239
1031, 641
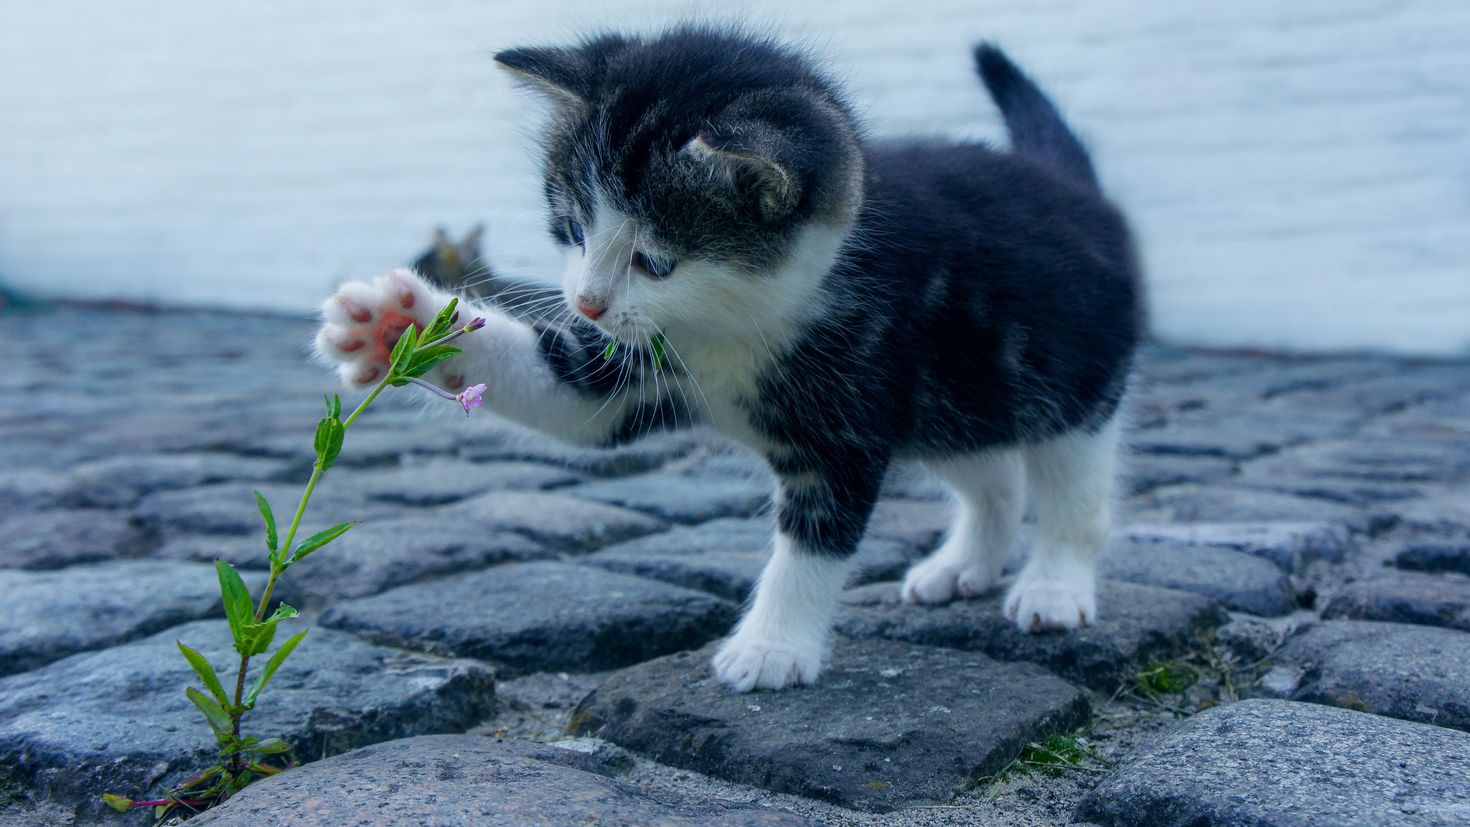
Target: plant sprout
243, 759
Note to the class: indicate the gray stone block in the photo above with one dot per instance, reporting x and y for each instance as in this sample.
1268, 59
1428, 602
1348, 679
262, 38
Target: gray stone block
680, 499
887, 725
1418, 673
467, 780
26, 490
51, 614
516, 444
1146, 472
1239, 581
229, 508
118, 482
1435, 557
118, 720
1138, 626
1281, 764
725, 557
1290, 545
561, 523
1222, 504
441, 481
535, 617
1406, 597
384, 554
52, 539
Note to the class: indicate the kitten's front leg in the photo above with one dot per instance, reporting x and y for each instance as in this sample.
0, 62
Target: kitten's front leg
782, 639
554, 381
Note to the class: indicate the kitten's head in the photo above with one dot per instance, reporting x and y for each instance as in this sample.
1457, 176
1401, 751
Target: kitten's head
698, 181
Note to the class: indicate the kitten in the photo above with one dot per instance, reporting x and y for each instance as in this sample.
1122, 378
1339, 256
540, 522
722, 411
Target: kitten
833, 303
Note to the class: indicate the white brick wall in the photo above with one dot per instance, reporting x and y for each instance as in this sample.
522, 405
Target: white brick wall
1299, 171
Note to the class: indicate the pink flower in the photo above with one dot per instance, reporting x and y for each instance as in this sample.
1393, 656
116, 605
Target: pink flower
471, 397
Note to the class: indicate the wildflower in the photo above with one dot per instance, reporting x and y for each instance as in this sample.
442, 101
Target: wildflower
475, 323
472, 397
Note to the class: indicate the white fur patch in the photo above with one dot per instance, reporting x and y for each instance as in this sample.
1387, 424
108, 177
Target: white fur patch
503, 355
989, 491
1071, 479
782, 639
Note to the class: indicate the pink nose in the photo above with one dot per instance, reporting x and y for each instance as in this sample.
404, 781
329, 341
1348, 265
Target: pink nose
590, 307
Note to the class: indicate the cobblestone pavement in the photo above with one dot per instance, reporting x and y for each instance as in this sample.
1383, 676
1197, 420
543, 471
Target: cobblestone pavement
519, 631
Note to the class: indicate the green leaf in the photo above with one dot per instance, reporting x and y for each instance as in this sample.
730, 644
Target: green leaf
219, 719
238, 783
439, 328
205, 672
336, 410
320, 539
271, 666
403, 351
426, 359
328, 441
238, 608
611, 350
657, 344
117, 802
271, 746
270, 520
258, 636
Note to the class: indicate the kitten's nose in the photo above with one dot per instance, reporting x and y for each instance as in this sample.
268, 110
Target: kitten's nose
590, 307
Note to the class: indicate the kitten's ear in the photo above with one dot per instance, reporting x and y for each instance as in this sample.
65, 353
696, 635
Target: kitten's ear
561, 74
748, 152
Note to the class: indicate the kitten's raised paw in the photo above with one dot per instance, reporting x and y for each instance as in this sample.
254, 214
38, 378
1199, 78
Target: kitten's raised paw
747, 662
362, 323
1041, 603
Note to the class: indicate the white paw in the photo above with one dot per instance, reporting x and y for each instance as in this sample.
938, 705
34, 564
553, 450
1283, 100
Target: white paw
939, 581
1039, 602
747, 662
362, 323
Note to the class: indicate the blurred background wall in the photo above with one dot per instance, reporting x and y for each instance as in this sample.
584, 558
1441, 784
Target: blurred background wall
1299, 172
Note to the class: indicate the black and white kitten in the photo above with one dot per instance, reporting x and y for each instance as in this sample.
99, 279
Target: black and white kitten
834, 304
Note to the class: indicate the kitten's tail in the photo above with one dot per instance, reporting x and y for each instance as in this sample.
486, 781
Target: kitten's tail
1037, 129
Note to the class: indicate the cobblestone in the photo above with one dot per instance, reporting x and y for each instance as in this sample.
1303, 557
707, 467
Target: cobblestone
463, 779
1140, 625
540, 616
53, 539
878, 733
1281, 764
1405, 598
1320, 501
117, 720
1418, 673
51, 614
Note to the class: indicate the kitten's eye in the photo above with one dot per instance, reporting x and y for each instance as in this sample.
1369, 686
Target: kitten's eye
657, 268
575, 231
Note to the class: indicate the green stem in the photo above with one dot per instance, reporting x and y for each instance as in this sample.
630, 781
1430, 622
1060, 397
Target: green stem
238, 709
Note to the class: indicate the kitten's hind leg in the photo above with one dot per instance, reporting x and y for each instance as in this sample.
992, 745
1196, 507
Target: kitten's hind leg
989, 490
1071, 481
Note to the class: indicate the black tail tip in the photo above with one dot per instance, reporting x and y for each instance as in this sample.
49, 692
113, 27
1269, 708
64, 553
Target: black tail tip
994, 67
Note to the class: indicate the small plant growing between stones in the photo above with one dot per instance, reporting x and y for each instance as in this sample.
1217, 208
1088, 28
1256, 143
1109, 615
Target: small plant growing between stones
1167, 678
244, 759
1054, 756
